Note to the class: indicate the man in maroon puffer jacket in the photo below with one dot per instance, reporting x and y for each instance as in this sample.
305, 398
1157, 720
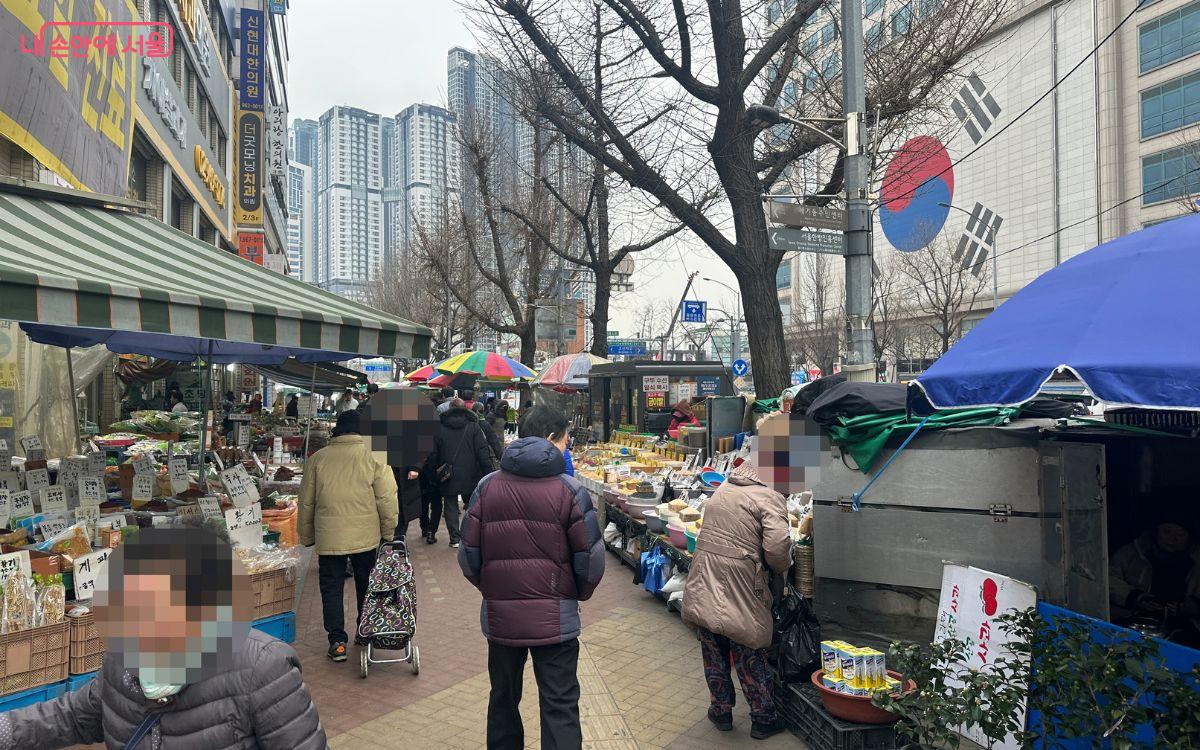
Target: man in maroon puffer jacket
531, 544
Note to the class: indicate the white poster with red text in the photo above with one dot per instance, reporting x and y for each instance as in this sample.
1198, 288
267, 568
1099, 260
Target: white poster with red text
971, 601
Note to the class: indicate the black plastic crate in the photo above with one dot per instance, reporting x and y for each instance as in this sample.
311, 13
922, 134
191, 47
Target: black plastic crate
800, 706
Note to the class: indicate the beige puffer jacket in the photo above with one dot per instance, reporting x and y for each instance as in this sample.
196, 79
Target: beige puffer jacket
347, 499
727, 592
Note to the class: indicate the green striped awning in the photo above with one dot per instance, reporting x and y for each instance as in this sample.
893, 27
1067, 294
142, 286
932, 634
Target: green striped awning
67, 264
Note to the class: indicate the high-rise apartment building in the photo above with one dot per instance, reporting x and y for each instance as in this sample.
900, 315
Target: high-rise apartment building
424, 174
301, 210
349, 200
302, 141
477, 93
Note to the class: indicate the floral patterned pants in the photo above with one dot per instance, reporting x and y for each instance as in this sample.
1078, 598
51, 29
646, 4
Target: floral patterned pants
754, 672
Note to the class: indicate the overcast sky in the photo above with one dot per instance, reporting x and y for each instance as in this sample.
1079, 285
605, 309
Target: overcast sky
383, 55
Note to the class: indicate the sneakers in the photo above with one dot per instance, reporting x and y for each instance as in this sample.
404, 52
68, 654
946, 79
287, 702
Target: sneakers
723, 722
337, 652
430, 538
760, 731
454, 543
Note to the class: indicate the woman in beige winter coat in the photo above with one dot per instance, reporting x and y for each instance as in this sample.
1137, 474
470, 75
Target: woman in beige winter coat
728, 599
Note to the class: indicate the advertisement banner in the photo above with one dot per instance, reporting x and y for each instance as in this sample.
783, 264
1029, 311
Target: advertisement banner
250, 246
277, 137
251, 85
248, 208
74, 112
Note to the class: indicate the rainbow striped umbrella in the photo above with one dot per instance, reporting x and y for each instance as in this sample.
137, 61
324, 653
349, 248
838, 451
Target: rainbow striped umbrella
489, 365
423, 373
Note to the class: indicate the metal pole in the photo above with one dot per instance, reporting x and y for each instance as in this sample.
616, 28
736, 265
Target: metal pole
206, 400
995, 278
74, 406
858, 207
308, 426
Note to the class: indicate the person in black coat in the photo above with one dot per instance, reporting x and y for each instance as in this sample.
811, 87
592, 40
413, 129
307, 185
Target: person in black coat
495, 439
462, 447
409, 494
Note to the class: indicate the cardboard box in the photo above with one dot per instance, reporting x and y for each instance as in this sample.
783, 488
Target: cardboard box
41, 563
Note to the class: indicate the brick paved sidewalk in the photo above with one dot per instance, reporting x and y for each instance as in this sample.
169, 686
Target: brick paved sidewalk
640, 673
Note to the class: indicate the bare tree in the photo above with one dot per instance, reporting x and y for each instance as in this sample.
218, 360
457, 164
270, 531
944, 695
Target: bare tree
815, 333
889, 310
942, 292
673, 116
1189, 199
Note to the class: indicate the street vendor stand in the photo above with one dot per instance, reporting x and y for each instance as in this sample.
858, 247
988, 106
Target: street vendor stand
76, 272
640, 394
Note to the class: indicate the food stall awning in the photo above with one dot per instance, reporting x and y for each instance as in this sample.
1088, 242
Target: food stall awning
323, 377
76, 273
1121, 317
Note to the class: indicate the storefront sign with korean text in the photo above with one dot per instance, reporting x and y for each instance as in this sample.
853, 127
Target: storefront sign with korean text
248, 207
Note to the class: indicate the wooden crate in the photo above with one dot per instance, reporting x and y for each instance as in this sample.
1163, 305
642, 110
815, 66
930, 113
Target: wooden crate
274, 592
35, 657
87, 646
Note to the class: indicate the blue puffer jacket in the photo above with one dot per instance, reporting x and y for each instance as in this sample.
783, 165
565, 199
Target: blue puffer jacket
531, 543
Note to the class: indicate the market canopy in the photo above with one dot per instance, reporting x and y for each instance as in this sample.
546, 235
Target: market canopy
76, 275
323, 377
1124, 318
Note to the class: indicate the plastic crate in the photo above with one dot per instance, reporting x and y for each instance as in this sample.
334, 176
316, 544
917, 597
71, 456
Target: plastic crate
31, 696
34, 657
76, 681
800, 706
281, 626
274, 591
87, 647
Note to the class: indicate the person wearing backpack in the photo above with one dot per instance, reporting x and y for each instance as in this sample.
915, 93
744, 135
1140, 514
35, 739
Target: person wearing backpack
461, 457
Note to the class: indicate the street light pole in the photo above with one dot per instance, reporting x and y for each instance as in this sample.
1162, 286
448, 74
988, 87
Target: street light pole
858, 205
734, 338
995, 232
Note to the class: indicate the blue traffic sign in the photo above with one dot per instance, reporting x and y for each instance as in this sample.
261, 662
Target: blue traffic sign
694, 311
799, 376
377, 368
740, 367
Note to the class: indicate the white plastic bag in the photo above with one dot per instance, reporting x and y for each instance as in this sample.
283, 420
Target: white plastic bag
612, 533
676, 583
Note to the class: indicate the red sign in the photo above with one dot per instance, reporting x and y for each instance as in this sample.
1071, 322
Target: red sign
250, 246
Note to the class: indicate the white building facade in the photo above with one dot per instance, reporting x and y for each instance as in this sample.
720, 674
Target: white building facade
349, 200
425, 171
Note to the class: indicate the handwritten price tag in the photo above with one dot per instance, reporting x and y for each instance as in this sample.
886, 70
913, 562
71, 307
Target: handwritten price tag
5, 508
37, 480
114, 521
54, 500
10, 480
87, 571
34, 450
15, 563
245, 526
51, 527
143, 488
5, 454
22, 504
143, 465
96, 462
88, 514
210, 506
91, 491
177, 468
241, 488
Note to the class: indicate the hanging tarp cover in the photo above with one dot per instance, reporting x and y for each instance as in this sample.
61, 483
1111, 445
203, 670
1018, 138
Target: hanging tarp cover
1123, 317
120, 275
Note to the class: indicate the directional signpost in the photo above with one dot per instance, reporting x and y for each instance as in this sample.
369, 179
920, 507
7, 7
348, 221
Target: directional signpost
740, 367
694, 311
791, 240
798, 215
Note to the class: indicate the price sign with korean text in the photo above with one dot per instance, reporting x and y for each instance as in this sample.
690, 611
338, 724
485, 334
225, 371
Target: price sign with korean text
656, 383
114, 521
258, 464
143, 488
277, 451
97, 462
245, 526
5, 508
188, 510
54, 500
22, 504
91, 491
179, 475
5, 454
10, 480
51, 527
243, 435
210, 506
971, 600
68, 473
143, 465
87, 570
32, 445
687, 390
241, 488
37, 480
15, 563
656, 400
239, 416
88, 514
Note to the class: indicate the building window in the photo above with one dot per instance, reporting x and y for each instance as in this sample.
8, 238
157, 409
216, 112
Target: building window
783, 275
1171, 106
901, 21
1169, 37
810, 44
773, 12
785, 312
873, 5
1171, 174
139, 175
874, 37
828, 33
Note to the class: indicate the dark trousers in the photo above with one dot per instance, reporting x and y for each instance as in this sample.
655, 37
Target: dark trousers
558, 695
331, 571
433, 508
753, 669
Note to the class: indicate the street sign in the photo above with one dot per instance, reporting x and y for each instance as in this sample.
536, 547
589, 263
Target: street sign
790, 240
613, 334
694, 311
377, 368
797, 215
740, 367
709, 385
627, 348
798, 377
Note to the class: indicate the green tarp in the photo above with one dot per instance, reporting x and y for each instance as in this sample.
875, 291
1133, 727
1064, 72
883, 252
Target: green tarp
864, 437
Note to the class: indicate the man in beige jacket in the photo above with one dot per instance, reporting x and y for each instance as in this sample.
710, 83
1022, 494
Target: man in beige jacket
347, 506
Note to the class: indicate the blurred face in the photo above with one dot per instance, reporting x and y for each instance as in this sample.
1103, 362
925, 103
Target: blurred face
402, 424
1173, 538
787, 452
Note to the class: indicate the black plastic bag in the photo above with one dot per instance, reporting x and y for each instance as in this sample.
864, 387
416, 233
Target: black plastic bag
797, 637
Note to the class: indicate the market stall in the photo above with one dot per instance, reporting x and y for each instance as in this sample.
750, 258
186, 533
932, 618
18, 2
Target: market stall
639, 395
139, 286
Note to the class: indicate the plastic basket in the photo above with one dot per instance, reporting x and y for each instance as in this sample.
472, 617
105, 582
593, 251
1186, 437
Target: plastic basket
35, 657
800, 706
87, 647
282, 626
274, 592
